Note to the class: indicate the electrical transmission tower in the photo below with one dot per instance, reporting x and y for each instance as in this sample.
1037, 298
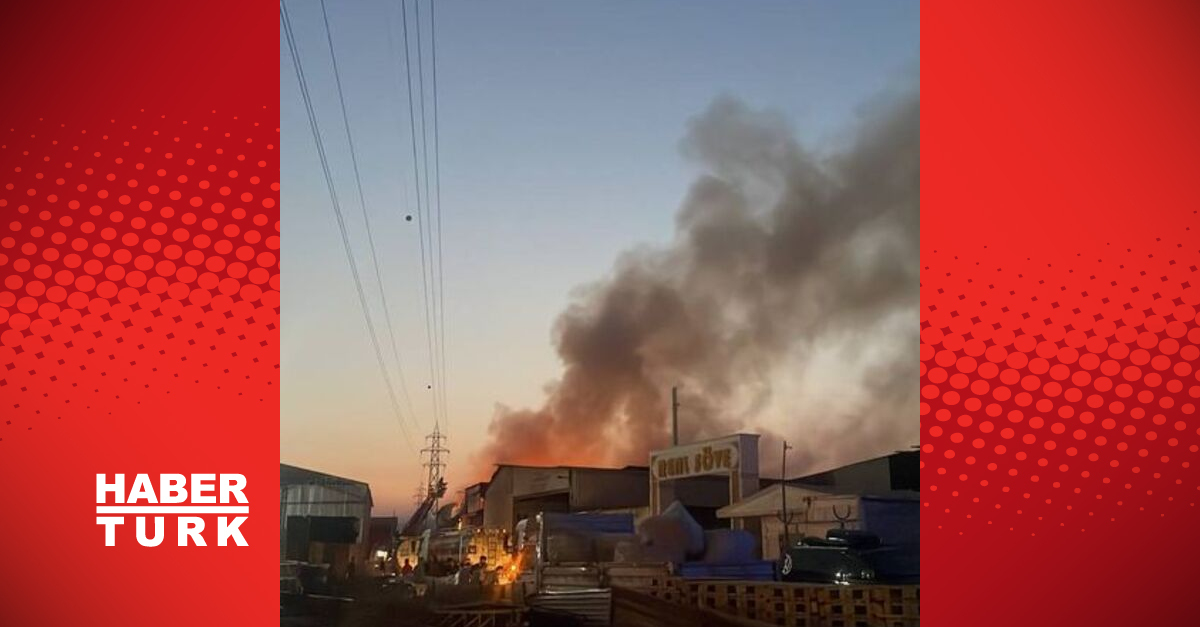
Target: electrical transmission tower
435, 463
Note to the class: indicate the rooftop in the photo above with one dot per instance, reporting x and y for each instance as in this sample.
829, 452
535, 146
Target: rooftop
294, 475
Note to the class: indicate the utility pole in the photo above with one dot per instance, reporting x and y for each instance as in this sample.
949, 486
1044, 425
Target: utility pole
674, 415
787, 536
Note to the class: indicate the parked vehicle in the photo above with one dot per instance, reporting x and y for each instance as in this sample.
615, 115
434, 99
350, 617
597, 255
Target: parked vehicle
300, 578
849, 558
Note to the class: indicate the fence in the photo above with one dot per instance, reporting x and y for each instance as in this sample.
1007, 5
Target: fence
636, 608
479, 617
796, 605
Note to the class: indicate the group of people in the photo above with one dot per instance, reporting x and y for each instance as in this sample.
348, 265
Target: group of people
466, 573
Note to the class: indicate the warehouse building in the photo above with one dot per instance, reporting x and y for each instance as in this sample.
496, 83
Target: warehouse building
899, 471
718, 481
880, 495
471, 511
324, 519
516, 492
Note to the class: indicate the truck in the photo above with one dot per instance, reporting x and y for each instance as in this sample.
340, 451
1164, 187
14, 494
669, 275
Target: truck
436, 550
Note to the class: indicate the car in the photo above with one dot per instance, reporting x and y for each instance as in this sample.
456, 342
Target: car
850, 559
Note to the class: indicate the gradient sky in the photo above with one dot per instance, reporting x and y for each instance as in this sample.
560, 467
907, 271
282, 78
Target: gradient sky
560, 124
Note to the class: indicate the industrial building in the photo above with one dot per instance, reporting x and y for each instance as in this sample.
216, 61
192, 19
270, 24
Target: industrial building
471, 512
515, 492
323, 519
880, 495
899, 471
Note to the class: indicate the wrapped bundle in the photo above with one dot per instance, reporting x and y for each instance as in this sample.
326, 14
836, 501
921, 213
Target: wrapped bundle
666, 537
728, 546
606, 545
692, 530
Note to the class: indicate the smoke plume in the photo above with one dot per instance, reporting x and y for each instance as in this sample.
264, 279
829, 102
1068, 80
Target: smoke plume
786, 305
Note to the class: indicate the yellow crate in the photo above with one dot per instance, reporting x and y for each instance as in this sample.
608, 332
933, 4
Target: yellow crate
845, 609
896, 622
797, 605
843, 594
899, 609
893, 593
846, 621
787, 619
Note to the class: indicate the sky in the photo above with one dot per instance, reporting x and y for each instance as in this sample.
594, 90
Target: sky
559, 128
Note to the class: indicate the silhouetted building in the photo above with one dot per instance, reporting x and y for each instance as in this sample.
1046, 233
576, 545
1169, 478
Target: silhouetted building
516, 492
880, 495
471, 514
323, 518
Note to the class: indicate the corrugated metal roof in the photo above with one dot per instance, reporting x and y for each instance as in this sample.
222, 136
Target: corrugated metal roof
295, 475
824, 476
769, 501
291, 476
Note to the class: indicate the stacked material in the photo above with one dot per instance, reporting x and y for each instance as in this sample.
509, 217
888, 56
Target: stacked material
665, 537
583, 538
674, 537
748, 571
728, 546
570, 546
607, 545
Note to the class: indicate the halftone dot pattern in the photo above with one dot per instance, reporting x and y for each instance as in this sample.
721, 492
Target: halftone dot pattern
139, 258
1056, 397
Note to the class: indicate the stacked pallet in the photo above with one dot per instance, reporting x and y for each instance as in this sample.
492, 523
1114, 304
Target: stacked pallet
797, 605
787, 605
896, 606
844, 606
667, 588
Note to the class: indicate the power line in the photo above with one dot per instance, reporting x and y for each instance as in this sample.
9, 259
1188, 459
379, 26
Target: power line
430, 332
437, 164
387, 316
434, 270
337, 209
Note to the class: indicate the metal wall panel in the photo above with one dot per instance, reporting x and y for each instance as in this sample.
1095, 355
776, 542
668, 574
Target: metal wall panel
299, 501
594, 606
593, 489
498, 504
528, 481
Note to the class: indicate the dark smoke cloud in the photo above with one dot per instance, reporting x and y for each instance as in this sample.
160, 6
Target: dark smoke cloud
789, 269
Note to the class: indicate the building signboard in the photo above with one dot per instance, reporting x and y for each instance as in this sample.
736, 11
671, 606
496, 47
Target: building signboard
735, 457
699, 459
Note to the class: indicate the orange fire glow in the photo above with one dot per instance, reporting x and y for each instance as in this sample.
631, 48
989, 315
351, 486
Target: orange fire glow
511, 571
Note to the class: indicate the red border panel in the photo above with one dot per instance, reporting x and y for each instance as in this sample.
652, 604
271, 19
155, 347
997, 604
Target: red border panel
139, 302
1059, 329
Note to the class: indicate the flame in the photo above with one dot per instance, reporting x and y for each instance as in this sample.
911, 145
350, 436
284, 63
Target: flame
510, 572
